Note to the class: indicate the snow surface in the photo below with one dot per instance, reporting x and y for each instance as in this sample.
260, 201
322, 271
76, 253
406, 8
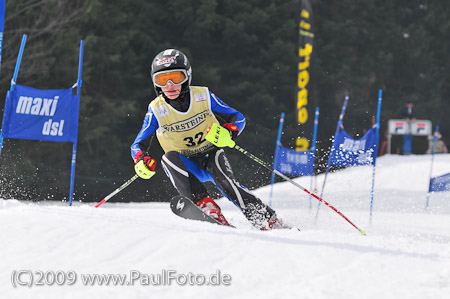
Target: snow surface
406, 253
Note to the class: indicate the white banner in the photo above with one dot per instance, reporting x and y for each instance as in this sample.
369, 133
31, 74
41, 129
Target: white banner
418, 127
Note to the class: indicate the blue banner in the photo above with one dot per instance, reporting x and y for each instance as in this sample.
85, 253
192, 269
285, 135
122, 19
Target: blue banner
49, 115
293, 162
440, 183
347, 151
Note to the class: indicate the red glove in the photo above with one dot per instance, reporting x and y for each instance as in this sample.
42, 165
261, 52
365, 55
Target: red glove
148, 161
232, 128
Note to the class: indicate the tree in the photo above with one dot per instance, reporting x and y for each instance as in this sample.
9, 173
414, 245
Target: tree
245, 51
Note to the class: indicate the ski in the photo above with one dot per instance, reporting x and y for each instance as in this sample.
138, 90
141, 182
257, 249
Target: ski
290, 227
284, 226
185, 208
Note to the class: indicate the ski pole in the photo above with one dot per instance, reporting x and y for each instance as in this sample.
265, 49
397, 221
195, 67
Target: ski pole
221, 137
126, 184
261, 162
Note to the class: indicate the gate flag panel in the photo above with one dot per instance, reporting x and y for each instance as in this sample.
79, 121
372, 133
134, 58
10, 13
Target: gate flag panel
347, 151
440, 183
49, 115
293, 162
43, 114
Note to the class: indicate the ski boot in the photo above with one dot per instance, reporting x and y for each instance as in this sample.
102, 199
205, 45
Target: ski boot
210, 208
275, 223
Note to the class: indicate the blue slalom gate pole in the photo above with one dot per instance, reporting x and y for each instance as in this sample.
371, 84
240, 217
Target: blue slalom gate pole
2, 26
74, 150
14, 79
380, 99
431, 168
80, 67
277, 146
313, 151
72, 172
2, 23
19, 60
339, 124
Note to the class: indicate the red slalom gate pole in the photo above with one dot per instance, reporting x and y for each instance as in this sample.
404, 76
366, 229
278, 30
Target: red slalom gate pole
333, 208
117, 190
264, 164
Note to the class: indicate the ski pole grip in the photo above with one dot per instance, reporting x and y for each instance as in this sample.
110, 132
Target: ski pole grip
220, 136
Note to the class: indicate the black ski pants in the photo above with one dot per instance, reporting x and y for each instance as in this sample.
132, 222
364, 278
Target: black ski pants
184, 174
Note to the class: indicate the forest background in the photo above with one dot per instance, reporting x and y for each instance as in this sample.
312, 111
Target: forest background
244, 51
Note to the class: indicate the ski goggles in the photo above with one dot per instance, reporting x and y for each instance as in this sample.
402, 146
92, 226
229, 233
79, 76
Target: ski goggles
177, 77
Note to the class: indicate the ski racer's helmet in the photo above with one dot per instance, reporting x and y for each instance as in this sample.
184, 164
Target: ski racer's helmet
171, 65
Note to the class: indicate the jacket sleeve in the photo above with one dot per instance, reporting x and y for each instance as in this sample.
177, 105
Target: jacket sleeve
146, 134
226, 114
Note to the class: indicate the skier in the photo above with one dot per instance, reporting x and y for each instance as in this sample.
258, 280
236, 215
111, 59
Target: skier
180, 117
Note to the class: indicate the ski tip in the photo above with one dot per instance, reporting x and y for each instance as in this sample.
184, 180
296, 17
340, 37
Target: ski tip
363, 233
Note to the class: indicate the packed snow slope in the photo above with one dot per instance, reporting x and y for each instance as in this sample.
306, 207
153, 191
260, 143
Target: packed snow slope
406, 253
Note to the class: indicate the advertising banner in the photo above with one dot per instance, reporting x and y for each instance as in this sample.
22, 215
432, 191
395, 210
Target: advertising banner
293, 162
49, 115
305, 104
347, 151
